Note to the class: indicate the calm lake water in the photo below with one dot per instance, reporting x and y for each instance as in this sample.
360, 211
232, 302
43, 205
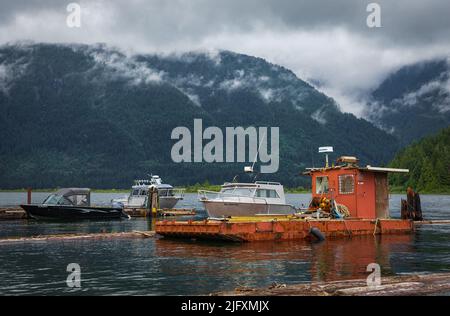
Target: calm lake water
168, 267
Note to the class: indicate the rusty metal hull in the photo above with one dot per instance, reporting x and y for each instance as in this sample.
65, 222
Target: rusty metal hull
229, 209
281, 230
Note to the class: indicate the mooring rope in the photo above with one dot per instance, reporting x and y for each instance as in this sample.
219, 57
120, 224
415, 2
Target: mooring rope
376, 225
350, 233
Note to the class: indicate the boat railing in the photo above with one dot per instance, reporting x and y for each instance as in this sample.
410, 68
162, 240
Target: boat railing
204, 195
268, 182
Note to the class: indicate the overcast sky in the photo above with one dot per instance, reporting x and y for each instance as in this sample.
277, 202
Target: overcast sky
324, 40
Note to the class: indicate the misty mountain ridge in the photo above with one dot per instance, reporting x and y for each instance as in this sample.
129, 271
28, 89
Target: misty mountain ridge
414, 101
90, 115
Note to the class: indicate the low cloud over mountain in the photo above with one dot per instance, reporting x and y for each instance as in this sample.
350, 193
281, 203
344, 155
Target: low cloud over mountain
96, 116
326, 41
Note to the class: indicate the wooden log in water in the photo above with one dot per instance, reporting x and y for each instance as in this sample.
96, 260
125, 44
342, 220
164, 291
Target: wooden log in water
422, 284
176, 212
69, 237
142, 212
433, 222
136, 212
12, 213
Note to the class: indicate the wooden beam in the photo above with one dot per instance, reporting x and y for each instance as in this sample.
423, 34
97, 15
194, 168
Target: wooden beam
133, 234
433, 222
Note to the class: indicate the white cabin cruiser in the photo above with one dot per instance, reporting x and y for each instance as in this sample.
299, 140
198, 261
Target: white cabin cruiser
168, 195
246, 199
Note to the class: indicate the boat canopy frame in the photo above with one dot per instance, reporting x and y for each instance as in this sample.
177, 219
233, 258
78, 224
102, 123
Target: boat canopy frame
77, 196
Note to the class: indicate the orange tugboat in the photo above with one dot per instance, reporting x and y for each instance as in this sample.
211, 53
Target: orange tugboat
347, 200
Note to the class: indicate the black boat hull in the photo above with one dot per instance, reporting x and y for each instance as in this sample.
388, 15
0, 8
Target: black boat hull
56, 212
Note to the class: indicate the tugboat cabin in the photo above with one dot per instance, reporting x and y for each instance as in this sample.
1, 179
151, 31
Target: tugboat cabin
363, 190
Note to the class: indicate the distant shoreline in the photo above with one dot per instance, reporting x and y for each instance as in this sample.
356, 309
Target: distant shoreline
187, 190
195, 188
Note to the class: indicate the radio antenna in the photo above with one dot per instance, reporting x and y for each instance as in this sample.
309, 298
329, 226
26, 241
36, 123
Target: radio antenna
251, 169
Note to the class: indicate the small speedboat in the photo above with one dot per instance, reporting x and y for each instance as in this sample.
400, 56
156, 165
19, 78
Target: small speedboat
72, 204
168, 196
246, 199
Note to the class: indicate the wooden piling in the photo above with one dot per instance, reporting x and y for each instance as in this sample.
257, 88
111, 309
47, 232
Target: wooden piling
29, 196
153, 201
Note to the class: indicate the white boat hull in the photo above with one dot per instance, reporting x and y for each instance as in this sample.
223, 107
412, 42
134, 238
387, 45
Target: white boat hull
220, 209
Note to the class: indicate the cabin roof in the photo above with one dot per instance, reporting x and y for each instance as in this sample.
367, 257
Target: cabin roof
73, 191
238, 184
164, 186
148, 185
251, 185
309, 171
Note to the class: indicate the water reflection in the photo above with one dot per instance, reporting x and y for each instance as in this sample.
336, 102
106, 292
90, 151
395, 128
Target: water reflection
176, 267
327, 261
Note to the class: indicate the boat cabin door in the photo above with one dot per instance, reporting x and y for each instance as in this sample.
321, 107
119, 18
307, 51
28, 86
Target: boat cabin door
381, 195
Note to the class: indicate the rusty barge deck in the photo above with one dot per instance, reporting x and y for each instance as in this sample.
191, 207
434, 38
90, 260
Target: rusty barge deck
279, 229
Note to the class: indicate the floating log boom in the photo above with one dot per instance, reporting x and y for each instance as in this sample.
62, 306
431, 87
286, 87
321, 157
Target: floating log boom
421, 284
69, 237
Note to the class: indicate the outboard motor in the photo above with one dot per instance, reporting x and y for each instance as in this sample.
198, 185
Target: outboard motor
118, 205
121, 207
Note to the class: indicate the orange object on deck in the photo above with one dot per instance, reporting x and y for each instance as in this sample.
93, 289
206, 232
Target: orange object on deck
280, 229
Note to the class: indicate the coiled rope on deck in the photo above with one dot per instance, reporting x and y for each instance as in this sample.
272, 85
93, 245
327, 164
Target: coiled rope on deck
342, 209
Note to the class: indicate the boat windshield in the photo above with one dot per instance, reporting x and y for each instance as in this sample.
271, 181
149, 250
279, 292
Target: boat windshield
239, 191
165, 192
55, 199
51, 199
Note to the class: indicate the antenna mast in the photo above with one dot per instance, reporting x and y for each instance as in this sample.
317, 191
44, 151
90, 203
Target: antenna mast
250, 169
326, 150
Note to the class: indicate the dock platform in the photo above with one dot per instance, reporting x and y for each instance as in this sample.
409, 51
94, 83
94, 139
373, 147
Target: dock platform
282, 229
12, 213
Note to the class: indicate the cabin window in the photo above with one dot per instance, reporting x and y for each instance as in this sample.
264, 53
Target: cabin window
64, 201
79, 200
238, 191
51, 200
144, 192
271, 194
321, 185
135, 192
243, 192
346, 184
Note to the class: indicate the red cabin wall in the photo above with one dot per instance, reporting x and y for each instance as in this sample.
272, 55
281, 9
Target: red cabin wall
366, 195
361, 203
